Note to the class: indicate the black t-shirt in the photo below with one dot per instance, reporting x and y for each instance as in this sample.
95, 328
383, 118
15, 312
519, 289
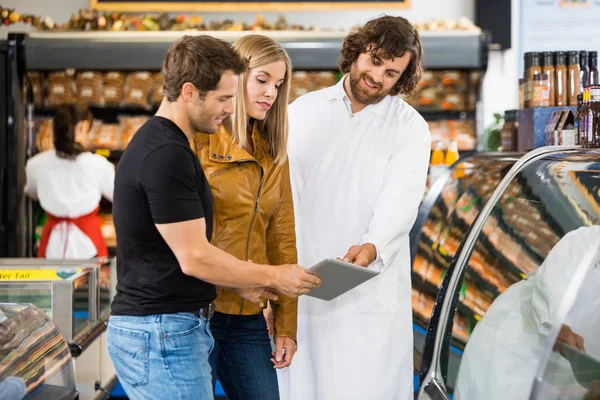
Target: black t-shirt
158, 181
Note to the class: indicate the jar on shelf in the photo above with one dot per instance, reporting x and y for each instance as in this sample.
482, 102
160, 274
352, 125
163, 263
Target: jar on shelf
540, 93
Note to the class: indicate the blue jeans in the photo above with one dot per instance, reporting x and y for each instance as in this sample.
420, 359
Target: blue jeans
241, 358
162, 356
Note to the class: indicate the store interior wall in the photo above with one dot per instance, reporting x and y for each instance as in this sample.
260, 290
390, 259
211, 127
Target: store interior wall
500, 87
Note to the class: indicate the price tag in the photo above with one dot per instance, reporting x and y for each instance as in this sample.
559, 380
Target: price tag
103, 152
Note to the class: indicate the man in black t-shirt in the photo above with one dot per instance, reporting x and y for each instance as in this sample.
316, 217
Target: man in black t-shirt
158, 335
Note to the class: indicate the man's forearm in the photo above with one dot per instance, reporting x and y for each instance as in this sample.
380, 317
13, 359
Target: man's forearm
215, 266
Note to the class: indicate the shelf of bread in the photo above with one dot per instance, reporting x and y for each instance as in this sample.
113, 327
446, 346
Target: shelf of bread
103, 138
114, 94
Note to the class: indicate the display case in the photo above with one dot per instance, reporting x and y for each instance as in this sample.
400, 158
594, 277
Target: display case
506, 236
35, 361
76, 295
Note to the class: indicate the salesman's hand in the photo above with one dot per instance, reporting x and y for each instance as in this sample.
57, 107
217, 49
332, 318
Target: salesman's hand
292, 280
361, 255
280, 358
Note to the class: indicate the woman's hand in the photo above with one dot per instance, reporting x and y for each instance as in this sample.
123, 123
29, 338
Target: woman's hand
286, 348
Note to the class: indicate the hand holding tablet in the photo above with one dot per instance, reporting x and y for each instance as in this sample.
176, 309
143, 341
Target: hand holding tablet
338, 277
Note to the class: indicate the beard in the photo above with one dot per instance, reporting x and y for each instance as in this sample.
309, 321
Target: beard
362, 95
203, 125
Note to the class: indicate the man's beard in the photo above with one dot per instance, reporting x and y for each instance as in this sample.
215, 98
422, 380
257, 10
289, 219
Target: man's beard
362, 95
203, 126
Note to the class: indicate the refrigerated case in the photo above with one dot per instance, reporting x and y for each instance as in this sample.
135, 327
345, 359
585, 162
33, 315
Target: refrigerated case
57, 66
76, 296
35, 361
544, 195
444, 219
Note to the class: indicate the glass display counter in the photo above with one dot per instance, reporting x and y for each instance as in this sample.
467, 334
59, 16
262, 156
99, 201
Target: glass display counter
35, 361
76, 295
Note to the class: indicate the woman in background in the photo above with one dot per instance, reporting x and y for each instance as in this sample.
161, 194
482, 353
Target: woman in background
247, 168
69, 184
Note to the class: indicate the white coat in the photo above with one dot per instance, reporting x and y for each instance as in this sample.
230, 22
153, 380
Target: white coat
505, 348
356, 179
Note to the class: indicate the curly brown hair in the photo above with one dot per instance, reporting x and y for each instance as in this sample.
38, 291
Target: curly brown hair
387, 37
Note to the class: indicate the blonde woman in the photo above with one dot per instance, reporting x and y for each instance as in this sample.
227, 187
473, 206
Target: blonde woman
247, 167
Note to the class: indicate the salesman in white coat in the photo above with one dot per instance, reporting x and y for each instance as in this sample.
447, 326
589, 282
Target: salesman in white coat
358, 158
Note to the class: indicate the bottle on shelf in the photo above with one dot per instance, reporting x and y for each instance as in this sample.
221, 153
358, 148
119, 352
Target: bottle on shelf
550, 70
593, 64
561, 95
453, 156
573, 78
533, 67
584, 73
436, 165
584, 117
593, 133
578, 120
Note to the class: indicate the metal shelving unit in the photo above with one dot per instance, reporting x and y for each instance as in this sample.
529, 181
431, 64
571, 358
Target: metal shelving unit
307, 50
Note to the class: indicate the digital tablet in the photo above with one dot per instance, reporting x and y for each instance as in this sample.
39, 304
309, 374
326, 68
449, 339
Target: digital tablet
338, 277
586, 368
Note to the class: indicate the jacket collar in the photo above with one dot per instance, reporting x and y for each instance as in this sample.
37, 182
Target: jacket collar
223, 149
338, 93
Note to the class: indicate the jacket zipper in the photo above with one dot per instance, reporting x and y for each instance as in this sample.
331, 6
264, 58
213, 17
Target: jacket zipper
219, 172
256, 211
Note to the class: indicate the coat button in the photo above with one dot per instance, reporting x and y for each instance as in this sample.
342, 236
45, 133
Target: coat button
228, 158
214, 155
221, 157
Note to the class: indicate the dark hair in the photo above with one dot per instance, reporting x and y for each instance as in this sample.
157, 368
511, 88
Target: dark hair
387, 37
66, 118
200, 60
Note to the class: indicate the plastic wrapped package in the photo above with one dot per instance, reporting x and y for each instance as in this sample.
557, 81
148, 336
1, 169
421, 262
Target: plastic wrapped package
129, 126
301, 84
61, 88
138, 87
106, 136
108, 229
113, 88
323, 79
90, 88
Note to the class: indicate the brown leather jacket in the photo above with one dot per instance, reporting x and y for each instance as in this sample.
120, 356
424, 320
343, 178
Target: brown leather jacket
253, 215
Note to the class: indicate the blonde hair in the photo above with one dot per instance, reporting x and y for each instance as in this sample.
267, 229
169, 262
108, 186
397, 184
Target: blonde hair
261, 50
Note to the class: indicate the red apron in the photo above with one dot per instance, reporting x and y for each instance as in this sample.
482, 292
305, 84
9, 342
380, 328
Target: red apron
89, 224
